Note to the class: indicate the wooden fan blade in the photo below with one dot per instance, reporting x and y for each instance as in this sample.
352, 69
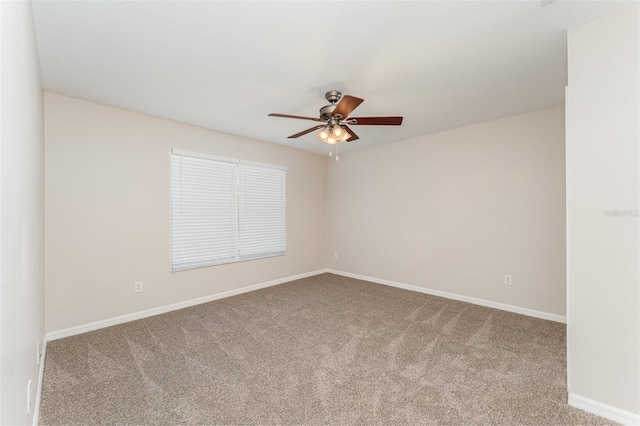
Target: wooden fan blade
304, 132
353, 136
346, 105
376, 121
294, 116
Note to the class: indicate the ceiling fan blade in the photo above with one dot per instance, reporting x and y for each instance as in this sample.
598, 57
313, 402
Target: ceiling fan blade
353, 136
376, 121
304, 132
346, 105
294, 116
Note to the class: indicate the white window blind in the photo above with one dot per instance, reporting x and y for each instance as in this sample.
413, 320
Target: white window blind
225, 210
262, 215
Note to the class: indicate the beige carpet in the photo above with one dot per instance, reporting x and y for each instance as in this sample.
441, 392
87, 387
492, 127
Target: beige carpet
325, 349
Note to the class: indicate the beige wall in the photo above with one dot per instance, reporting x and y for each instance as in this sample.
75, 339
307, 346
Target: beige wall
454, 211
457, 210
107, 212
603, 174
22, 213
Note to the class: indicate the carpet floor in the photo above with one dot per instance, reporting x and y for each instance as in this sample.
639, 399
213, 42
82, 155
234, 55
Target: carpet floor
321, 350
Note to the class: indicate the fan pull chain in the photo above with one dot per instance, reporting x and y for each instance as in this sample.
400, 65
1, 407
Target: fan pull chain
331, 152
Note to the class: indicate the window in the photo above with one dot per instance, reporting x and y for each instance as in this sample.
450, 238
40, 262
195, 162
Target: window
225, 210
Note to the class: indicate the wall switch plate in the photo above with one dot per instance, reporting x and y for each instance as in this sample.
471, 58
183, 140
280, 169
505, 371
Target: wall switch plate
335, 254
138, 286
508, 280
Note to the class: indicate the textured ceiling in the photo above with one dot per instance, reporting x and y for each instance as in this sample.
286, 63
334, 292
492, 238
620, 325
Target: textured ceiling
226, 65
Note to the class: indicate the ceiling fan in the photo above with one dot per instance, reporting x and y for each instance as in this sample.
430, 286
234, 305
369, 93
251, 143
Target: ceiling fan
336, 121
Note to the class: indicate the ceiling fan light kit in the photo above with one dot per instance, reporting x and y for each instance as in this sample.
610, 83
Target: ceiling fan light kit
333, 134
335, 116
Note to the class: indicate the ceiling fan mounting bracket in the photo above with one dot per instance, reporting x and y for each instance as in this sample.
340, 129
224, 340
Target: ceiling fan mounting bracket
333, 96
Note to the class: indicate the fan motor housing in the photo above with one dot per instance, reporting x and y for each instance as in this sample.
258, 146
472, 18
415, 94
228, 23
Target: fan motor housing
326, 111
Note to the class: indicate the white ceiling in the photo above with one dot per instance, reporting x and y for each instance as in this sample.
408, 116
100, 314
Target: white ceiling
226, 65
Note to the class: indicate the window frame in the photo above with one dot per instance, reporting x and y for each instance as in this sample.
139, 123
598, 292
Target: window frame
238, 162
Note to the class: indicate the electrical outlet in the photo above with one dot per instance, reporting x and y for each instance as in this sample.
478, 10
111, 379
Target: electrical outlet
335, 254
138, 287
508, 280
38, 353
29, 396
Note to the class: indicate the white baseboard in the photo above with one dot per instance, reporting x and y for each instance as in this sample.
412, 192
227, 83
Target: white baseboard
604, 410
72, 331
36, 409
481, 302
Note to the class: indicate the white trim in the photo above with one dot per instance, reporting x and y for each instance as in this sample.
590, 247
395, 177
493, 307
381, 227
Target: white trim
205, 156
226, 159
481, 302
567, 198
72, 331
228, 260
604, 410
36, 409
